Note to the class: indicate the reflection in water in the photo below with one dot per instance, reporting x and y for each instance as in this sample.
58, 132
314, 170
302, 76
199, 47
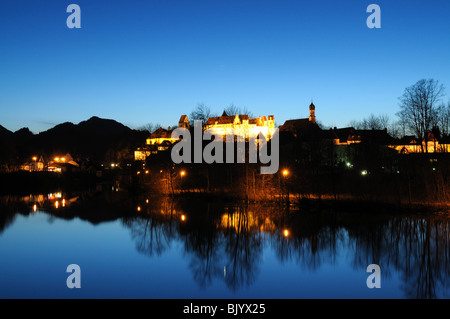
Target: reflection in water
224, 242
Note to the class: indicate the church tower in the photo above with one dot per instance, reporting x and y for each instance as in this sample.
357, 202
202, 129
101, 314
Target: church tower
312, 110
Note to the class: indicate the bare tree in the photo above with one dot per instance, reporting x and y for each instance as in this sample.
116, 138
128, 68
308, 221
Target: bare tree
201, 113
372, 122
384, 120
418, 107
233, 110
443, 119
150, 127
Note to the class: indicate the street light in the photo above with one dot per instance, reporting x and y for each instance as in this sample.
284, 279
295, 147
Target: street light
285, 173
182, 173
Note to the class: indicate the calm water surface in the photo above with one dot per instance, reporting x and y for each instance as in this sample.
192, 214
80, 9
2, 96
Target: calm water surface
129, 247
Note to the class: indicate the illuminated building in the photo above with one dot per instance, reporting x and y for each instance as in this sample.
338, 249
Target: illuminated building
234, 124
159, 140
36, 165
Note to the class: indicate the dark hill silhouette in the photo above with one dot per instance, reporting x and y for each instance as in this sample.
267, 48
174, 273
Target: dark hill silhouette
96, 139
5, 133
7, 147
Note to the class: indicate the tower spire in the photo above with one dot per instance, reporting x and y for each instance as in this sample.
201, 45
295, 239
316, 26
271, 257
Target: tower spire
312, 111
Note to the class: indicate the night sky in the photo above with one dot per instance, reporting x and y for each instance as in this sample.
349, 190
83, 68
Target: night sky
144, 62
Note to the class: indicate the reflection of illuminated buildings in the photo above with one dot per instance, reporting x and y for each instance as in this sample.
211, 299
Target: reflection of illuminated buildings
50, 201
247, 221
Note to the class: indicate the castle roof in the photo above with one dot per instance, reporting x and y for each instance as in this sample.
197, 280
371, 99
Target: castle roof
161, 133
302, 128
183, 118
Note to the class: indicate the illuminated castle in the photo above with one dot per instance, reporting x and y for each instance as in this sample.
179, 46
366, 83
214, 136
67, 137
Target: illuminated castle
241, 124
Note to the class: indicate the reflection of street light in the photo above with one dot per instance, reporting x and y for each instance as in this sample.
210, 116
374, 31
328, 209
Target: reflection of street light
139, 208
286, 233
285, 185
183, 218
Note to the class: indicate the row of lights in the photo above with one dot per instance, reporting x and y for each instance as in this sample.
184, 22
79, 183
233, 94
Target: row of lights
63, 204
182, 173
56, 159
182, 217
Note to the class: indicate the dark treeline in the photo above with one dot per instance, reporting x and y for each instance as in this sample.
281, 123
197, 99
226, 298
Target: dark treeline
310, 169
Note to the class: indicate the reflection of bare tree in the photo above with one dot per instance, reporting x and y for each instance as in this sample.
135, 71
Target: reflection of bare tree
416, 247
202, 242
313, 239
427, 272
151, 236
243, 248
223, 246
154, 231
205, 259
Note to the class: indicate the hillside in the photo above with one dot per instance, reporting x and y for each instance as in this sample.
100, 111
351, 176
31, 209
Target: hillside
95, 139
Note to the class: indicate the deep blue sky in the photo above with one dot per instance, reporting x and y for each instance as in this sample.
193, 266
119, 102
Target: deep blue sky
151, 61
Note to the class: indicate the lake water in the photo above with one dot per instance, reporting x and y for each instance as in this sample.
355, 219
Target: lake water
147, 247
